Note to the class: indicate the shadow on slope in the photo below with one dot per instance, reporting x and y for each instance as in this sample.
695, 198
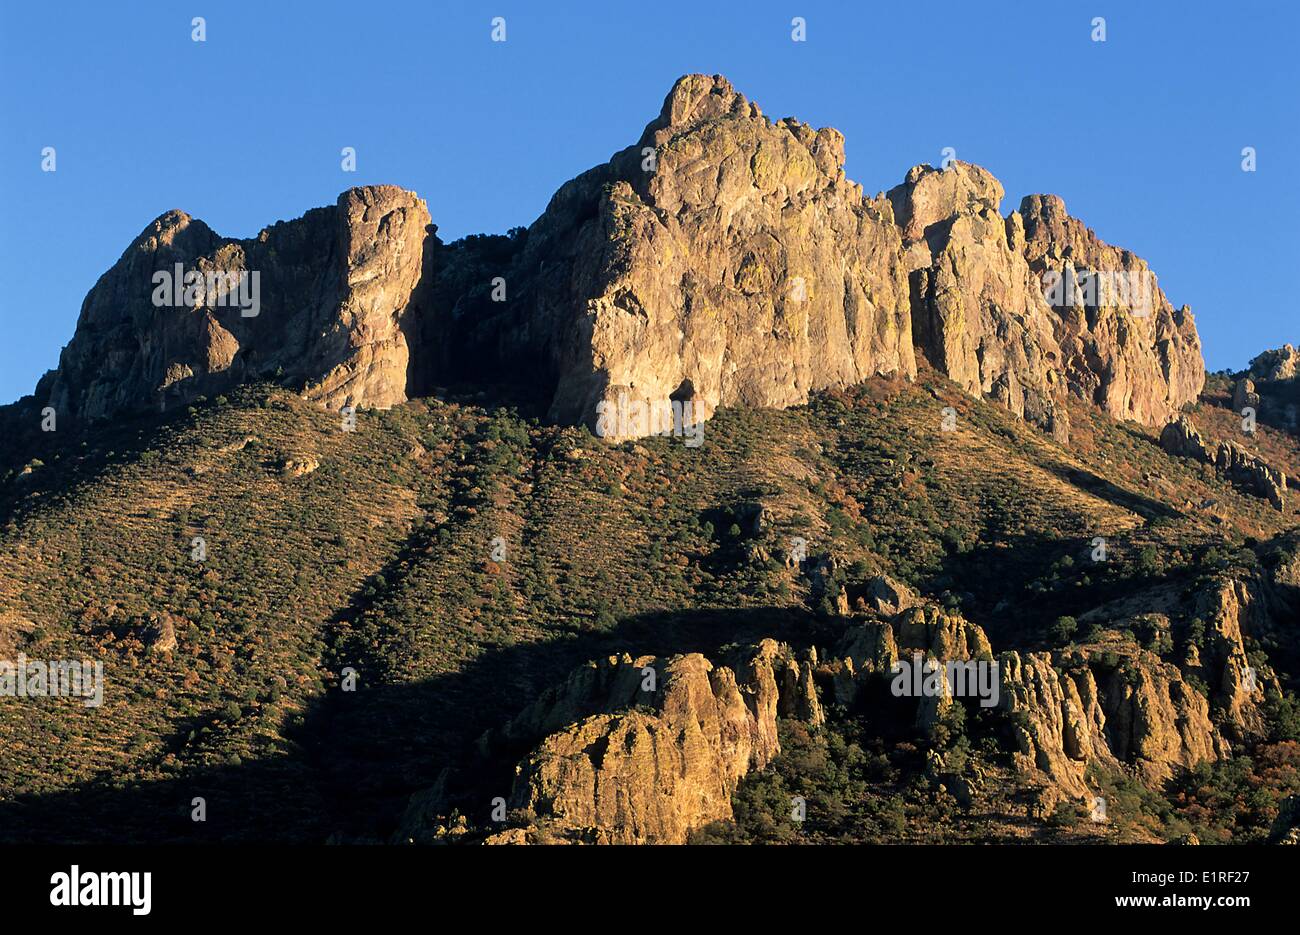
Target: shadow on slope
363, 753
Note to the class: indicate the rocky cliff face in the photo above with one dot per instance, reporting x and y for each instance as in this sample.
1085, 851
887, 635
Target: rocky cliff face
632, 751
978, 314
329, 307
1115, 708
616, 758
1027, 308
1057, 719
724, 259
1122, 345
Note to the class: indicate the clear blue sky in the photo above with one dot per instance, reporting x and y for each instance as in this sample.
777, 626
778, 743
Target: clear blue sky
1141, 135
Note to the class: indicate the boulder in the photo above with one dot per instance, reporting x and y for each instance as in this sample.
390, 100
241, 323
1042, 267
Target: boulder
1244, 395
888, 597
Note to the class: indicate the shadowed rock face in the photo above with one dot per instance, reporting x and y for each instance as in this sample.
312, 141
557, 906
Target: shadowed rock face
1269, 386
723, 259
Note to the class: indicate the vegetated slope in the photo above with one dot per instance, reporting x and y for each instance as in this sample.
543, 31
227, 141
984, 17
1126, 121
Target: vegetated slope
723, 259
453, 560
1274, 439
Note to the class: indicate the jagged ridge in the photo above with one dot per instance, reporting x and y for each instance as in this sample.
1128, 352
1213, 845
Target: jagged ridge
724, 259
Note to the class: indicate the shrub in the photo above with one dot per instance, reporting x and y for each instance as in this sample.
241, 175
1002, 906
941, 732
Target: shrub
1064, 629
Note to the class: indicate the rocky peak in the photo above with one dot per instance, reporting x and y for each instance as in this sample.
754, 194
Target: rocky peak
696, 99
168, 228
929, 195
1121, 343
1277, 364
1269, 388
977, 313
733, 266
320, 300
724, 259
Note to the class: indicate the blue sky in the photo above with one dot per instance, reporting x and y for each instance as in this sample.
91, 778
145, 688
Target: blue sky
1141, 135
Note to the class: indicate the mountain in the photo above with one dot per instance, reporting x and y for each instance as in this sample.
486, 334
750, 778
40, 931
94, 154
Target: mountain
722, 259
470, 612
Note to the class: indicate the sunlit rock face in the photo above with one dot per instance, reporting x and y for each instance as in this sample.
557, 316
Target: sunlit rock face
322, 300
722, 260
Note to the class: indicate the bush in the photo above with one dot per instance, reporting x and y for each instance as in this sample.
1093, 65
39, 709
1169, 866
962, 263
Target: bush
1064, 629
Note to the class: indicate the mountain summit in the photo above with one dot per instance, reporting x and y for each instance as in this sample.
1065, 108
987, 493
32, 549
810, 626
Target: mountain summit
885, 602
723, 259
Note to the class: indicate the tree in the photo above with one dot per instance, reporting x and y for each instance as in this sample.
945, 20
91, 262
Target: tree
1064, 629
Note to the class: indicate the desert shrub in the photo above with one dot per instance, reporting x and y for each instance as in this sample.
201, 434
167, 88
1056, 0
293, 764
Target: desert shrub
1063, 630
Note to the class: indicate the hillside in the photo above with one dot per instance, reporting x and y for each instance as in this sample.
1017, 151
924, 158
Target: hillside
725, 502
374, 550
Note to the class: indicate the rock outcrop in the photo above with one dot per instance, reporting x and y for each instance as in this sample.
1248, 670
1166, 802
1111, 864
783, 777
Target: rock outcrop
1105, 708
1269, 386
324, 301
943, 635
1120, 343
160, 634
886, 596
1026, 308
1226, 607
645, 750
1181, 438
1056, 719
1280, 363
1155, 721
1117, 705
1244, 395
916, 632
977, 314
722, 260
1114, 707
867, 649
1244, 469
